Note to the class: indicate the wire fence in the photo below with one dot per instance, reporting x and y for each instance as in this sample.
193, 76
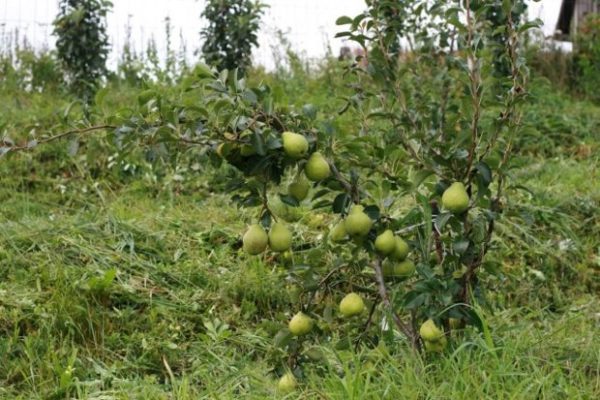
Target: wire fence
308, 25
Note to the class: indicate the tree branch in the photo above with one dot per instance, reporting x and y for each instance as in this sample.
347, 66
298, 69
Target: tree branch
403, 327
60, 136
348, 187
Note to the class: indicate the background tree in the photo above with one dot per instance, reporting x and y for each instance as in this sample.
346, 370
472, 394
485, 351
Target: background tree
231, 32
82, 43
587, 57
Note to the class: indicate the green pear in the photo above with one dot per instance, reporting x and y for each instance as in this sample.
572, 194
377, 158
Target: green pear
317, 168
357, 223
385, 243
356, 208
405, 268
338, 232
402, 269
299, 188
255, 240
437, 346
455, 199
284, 211
351, 305
287, 383
280, 237
401, 249
300, 324
429, 331
294, 145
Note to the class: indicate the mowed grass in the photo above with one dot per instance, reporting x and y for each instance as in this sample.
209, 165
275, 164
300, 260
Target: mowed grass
185, 316
137, 288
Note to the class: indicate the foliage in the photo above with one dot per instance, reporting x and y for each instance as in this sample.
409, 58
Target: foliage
446, 137
30, 70
82, 43
587, 56
443, 144
24, 68
498, 17
231, 32
404, 122
183, 295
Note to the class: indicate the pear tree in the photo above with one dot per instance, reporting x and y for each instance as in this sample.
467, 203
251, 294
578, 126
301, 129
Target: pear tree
409, 198
413, 193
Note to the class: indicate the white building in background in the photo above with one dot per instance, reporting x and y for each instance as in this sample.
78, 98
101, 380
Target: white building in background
309, 25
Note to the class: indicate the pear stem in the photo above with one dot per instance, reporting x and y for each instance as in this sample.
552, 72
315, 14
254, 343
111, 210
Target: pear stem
383, 293
366, 325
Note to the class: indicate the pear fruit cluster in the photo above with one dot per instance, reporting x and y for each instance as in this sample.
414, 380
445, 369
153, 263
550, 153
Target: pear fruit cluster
433, 337
396, 249
256, 240
316, 169
456, 199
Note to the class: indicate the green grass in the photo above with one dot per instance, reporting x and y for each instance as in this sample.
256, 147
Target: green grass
131, 287
170, 282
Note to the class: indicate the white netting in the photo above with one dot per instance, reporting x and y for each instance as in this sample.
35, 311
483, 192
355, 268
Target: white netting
309, 25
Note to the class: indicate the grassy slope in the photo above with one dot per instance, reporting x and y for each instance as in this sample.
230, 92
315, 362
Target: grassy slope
187, 316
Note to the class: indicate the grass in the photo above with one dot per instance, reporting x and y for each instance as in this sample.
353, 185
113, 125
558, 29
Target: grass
184, 319
134, 287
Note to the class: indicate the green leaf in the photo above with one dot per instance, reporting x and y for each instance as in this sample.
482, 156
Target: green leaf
289, 200
460, 246
282, 338
441, 220
265, 218
258, 143
373, 212
343, 20
310, 111
537, 23
485, 172
420, 177
340, 203
415, 300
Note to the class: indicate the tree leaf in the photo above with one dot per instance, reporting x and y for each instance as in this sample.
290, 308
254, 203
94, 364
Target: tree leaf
343, 20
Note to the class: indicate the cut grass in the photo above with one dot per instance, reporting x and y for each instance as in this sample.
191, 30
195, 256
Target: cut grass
185, 317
